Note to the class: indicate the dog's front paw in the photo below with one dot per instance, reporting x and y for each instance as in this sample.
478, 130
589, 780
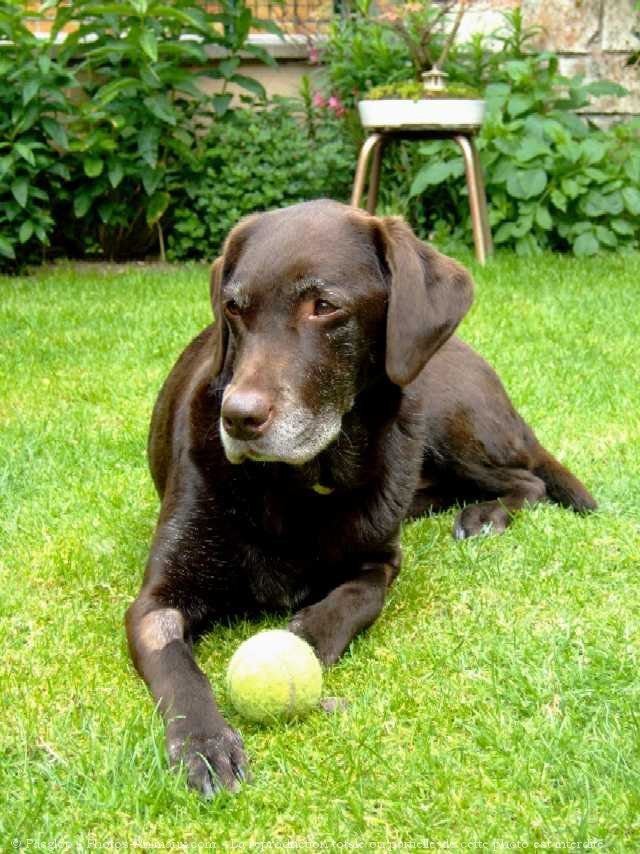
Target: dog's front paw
490, 517
213, 760
309, 625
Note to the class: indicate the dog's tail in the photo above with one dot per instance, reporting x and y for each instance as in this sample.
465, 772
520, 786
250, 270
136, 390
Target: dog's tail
562, 486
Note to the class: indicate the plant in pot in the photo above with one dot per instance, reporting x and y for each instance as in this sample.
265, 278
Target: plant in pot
428, 30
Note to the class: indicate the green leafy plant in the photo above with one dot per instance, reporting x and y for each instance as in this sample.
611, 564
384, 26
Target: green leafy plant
480, 60
141, 111
554, 182
426, 28
368, 48
413, 90
257, 159
33, 139
360, 54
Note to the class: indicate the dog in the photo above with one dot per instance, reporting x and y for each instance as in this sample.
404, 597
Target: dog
327, 403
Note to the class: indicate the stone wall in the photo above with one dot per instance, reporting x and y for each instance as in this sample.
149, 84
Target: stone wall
595, 38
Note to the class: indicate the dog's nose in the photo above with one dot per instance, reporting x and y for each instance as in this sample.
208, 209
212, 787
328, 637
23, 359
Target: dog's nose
246, 414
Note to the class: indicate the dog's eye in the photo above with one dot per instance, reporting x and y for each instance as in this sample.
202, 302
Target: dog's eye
322, 307
231, 307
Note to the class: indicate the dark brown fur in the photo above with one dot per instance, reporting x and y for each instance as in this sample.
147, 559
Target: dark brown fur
340, 321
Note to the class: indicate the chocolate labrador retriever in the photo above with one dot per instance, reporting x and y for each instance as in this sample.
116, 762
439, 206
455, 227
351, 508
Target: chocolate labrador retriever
327, 404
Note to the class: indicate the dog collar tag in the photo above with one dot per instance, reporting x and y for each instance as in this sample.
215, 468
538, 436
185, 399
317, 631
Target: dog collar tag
322, 490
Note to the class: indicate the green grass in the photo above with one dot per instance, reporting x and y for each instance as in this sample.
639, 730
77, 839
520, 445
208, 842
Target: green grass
496, 699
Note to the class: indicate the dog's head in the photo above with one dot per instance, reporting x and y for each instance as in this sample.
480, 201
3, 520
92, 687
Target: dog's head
312, 303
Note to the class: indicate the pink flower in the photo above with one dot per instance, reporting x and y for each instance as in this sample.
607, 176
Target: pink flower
336, 105
318, 100
314, 55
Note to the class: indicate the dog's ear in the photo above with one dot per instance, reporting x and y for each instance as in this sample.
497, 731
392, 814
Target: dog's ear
220, 331
429, 295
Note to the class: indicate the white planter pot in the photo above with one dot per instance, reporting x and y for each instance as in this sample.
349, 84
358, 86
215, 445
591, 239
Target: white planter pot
426, 114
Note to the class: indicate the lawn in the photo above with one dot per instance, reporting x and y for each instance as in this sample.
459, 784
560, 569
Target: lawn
496, 699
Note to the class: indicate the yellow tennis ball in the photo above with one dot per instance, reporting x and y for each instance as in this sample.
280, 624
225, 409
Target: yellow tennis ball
274, 675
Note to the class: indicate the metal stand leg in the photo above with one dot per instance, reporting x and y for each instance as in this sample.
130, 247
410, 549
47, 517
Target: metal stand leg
374, 178
370, 146
372, 150
477, 199
482, 198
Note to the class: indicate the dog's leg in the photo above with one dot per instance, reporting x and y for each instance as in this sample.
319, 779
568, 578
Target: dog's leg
428, 499
545, 479
330, 624
196, 732
515, 488
478, 448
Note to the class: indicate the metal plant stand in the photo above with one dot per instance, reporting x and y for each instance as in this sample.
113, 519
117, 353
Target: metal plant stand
372, 151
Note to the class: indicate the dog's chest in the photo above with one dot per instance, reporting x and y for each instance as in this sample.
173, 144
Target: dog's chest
286, 556
272, 589
278, 581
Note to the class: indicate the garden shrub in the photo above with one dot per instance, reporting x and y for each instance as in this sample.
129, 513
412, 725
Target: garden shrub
360, 54
108, 146
33, 140
99, 134
258, 159
134, 133
554, 181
